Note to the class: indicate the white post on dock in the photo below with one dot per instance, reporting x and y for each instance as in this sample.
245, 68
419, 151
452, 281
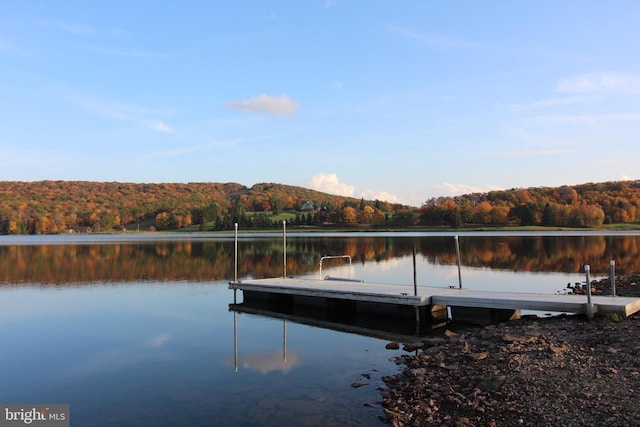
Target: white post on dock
415, 276
235, 267
284, 246
458, 258
612, 276
589, 309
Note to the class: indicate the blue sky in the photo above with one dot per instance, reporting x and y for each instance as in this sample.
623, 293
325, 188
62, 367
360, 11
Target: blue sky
399, 101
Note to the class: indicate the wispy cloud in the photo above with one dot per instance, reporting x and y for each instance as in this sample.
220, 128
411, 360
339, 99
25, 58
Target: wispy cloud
69, 27
76, 28
276, 105
438, 42
9, 48
551, 102
532, 153
131, 53
586, 119
329, 183
599, 82
124, 112
207, 146
160, 126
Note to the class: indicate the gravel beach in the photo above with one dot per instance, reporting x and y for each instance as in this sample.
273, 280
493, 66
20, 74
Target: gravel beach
552, 371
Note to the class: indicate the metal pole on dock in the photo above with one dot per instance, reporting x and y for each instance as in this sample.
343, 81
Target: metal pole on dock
235, 268
284, 246
589, 310
458, 258
613, 278
415, 277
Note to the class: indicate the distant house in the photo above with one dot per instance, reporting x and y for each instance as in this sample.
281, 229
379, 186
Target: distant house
307, 206
80, 230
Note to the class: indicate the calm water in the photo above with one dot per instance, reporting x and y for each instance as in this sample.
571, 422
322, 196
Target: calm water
139, 331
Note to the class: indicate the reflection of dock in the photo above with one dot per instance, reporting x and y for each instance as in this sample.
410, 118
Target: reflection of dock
429, 302
385, 329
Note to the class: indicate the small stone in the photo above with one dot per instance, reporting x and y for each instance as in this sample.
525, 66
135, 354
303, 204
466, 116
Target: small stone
358, 384
478, 356
558, 349
392, 346
412, 347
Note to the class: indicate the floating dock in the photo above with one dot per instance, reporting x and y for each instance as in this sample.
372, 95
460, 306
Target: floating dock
430, 303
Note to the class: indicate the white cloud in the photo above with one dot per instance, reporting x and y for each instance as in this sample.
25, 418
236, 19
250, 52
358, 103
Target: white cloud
599, 82
380, 195
329, 183
450, 189
277, 105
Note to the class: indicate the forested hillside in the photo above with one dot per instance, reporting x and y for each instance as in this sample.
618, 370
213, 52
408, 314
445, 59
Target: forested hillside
59, 206
586, 205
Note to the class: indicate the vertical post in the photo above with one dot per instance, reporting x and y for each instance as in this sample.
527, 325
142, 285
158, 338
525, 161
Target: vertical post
235, 267
612, 278
415, 277
589, 310
284, 245
458, 258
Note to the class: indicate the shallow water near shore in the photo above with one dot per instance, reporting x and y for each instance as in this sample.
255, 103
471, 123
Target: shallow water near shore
139, 331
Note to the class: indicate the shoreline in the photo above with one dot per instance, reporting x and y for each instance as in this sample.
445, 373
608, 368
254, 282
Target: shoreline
561, 370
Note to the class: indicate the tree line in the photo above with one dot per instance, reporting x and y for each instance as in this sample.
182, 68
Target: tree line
586, 205
45, 207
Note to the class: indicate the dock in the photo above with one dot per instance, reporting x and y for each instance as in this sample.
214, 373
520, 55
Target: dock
430, 303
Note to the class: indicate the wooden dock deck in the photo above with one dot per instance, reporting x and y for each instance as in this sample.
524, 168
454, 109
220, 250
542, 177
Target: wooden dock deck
403, 295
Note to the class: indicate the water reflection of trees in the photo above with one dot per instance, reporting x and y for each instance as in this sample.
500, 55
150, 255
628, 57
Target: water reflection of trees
214, 260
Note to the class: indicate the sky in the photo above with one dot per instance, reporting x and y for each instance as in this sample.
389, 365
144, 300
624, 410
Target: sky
398, 101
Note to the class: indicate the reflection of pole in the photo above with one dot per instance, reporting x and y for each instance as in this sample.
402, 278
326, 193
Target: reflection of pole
284, 341
415, 277
458, 257
284, 245
235, 340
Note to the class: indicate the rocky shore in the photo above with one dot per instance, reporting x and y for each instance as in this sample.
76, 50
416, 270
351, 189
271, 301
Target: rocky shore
553, 371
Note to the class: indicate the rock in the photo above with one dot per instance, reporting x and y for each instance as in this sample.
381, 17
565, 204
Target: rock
477, 356
392, 346
558, 349
517, 338
358, 384
412, 347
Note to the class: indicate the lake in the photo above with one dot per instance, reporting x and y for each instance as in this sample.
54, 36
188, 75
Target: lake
137, 329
